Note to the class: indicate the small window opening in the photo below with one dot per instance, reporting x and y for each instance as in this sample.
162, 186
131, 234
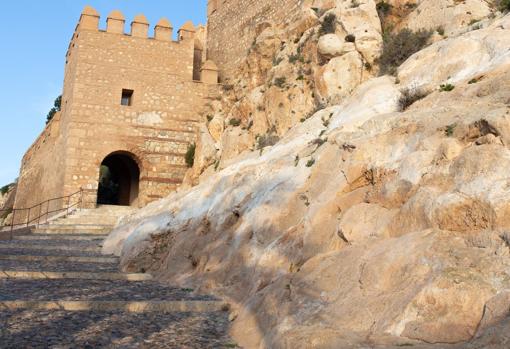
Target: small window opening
127, 97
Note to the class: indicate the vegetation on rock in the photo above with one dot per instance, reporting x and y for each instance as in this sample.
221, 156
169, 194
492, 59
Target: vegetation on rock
57, 105
446, 87
328, 24
190, 155
399, 47
410, 96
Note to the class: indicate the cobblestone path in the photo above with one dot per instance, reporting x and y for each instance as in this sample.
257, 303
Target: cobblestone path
51, 299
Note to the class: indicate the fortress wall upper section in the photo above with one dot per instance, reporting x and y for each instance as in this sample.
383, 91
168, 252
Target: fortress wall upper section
157, 124
234, 24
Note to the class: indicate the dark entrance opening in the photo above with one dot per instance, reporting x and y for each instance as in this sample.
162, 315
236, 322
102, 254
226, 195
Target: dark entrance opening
119, 178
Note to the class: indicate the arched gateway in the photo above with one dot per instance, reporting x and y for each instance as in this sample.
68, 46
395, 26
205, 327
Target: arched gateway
119, 180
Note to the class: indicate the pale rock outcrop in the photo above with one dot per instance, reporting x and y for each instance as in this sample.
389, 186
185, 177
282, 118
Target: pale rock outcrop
451, 15
340, 76
457, 59
216, 127
205, 152
363, 226
330, 45
234, 141
364, 221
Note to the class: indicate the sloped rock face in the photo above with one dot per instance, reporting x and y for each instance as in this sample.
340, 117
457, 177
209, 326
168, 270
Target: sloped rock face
364, 226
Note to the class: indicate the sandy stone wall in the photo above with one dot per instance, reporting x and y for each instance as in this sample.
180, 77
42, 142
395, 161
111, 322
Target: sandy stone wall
155, 130
233, 25
42, 163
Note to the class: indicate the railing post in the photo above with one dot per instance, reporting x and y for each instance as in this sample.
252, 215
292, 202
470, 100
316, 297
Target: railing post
12, 221
39, 215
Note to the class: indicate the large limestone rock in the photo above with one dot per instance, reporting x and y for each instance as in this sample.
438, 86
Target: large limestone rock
364, 226
451, 15
330, 45
340, 76
457, 59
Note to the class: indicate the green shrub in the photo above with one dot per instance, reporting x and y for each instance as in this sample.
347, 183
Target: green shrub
190, 155
277, 61
267, 140
450, 129
57, 106
440, 30
280, 82
383, 9
397, 48
446, 87
328, 25
475, 80
310, 163
504, 5
296, 57
5, 189
4, 214
234, 122
409, 96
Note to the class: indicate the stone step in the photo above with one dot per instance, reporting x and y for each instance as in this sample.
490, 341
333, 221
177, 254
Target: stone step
52, 275
86, 221
58, 266
115, 329
28, 246
83, 237
126, 306
94, 290
73, 229
49, 258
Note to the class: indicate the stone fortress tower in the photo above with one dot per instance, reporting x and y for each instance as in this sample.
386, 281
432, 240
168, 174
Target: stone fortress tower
130, 103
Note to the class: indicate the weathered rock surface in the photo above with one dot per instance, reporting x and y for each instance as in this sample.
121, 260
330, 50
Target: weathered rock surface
364, 226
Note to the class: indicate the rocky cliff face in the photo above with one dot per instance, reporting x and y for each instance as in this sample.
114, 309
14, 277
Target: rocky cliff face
7, 203
341, 209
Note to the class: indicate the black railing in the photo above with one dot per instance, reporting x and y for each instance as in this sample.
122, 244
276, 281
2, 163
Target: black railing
43, 212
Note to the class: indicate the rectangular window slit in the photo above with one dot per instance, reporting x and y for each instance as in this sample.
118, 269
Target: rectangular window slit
127, 97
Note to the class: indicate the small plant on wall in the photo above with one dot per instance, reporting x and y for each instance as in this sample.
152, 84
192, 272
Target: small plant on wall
190, 155
57, 106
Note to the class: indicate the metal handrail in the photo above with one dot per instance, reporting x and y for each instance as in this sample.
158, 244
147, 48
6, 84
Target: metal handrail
29, 220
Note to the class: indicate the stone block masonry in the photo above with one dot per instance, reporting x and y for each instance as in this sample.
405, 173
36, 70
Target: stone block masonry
125, 94
234, 24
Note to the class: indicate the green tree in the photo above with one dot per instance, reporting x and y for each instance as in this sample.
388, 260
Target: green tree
57, 105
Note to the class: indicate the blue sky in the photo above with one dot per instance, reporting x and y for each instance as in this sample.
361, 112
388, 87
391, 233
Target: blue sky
35, 36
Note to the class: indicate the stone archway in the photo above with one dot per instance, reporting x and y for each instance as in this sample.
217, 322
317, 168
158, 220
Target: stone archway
119, 180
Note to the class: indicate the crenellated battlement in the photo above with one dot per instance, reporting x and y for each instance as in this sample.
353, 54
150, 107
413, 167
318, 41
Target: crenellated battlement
140, 27
190, 44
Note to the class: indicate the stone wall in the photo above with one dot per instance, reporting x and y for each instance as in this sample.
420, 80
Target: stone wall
41, 176
155, 130
234, 24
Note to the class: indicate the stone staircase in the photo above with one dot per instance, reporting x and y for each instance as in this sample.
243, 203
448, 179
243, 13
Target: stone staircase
94, 221
58, 291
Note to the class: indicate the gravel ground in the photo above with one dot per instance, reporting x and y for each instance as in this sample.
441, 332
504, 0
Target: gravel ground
58, 266
97, 290
59, 330
28, 329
